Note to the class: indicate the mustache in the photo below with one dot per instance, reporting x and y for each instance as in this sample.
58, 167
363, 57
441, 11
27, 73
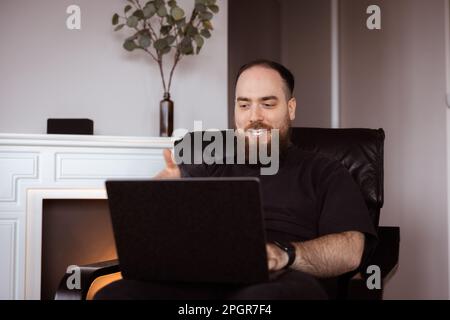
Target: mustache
258, 125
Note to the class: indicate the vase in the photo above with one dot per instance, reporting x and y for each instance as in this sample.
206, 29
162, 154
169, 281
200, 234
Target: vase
166, 116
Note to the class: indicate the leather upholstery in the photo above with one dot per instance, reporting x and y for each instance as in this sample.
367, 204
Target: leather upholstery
359, 150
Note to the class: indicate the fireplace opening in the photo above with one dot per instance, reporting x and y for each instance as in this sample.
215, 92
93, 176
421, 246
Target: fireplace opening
74, 232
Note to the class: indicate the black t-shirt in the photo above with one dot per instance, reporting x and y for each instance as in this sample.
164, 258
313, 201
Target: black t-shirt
310, 196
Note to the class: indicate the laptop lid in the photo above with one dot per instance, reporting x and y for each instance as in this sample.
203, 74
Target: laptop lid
202, 230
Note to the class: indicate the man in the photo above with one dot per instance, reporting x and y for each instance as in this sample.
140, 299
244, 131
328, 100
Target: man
316, 220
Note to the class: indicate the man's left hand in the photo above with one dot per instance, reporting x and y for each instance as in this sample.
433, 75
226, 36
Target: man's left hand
277, 259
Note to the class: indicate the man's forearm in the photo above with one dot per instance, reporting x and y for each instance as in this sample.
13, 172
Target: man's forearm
330, 255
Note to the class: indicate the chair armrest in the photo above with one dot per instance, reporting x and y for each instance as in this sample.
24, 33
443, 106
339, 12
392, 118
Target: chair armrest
386, 254
88, 273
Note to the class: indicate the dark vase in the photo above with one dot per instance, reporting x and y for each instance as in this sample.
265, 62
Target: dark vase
166, 116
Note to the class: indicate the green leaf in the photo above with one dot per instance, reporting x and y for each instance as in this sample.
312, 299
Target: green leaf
170, 39
127, 8
181, 23
214, 8
186, 46
165, 50
115, 19
149, 10
120, 26
191, 30
132, 21
200, 7
162, 11
208, 25
206, 15
144, 41
204, 2
170, 20
129, 45
205, 33
138, 13
172, 3
165, 29
158, 4
199, 40
160, 44
177, 13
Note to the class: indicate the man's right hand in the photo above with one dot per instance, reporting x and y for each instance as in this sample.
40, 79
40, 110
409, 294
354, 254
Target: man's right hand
171, 171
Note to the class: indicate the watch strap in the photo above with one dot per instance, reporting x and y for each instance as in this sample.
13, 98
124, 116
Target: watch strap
289, 249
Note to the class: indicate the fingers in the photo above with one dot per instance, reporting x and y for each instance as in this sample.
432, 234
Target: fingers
271, 264
274, 257
170, 164
271, 259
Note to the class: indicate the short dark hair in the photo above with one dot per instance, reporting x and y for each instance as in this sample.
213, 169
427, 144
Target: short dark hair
284, 72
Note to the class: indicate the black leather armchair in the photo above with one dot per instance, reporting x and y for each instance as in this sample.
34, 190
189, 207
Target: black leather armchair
361, 152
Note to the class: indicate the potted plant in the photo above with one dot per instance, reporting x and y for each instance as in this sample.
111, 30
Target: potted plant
160, 27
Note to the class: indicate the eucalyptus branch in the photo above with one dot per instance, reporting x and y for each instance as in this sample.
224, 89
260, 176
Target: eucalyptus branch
153, 28
146, 23
176, 60
151, 54
161, 70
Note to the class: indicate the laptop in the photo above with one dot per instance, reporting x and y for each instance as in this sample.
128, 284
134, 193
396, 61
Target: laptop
192, 230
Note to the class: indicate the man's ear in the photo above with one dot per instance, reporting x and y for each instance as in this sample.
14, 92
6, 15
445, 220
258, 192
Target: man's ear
292, 106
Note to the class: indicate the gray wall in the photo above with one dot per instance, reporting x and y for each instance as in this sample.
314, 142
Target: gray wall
49, 71
251, 38
306, 51
395, 79
295, 33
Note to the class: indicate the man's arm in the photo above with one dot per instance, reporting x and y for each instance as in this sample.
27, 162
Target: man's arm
328, 256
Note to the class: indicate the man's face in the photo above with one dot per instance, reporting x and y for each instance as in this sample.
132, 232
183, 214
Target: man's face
262, 103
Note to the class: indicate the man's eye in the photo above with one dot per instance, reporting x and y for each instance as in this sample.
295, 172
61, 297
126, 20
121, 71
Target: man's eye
267, 105
244, 106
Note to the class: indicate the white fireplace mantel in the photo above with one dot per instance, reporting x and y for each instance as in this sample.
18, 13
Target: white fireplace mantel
38, 167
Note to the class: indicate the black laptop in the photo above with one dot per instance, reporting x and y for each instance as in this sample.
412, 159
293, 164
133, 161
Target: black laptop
202, 230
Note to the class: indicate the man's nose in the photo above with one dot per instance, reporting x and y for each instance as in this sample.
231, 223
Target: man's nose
256, 114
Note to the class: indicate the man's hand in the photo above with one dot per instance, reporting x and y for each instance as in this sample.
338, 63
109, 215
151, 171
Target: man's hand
277, 259
171, 171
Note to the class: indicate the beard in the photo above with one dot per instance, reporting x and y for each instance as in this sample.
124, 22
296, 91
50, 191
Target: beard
259, 133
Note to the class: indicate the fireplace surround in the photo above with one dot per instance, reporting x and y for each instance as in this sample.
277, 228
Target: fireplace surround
34, 168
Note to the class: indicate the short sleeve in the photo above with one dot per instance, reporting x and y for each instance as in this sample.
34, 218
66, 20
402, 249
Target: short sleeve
342, 207
193, 170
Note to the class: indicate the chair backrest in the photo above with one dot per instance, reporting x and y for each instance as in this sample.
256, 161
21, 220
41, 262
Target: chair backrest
359, 150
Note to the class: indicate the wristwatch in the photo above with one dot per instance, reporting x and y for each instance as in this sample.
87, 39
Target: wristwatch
289, 249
